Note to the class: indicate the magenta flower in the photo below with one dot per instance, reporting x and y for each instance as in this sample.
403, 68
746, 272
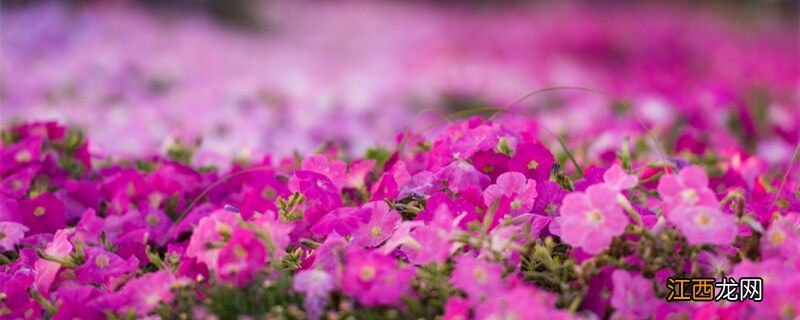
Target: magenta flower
460, 174
321, 195
633, 295
591, 219
43, 214
520, 191
390, 182
549, 197
10, 234
703, 225
374, 279
533, 159
316, 285
105, 268
18, 183
20, 154
241, 259
688, 188
479, 279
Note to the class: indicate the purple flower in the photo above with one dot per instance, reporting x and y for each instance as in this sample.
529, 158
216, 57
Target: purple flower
533, 159
549, 197
316, 285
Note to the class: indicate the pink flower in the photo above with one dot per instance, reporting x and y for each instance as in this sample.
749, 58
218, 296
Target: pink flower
382, 221
10, 234
316, 285
479, 279
456, 309
241, 259
334, 170
359, 169
209, 236
703, 225
46, 270
616, 177
633, 295
147, 292
521, 302
460, 174
688, 188
390, 182
783, 237
520, 191
374, 279
591, 219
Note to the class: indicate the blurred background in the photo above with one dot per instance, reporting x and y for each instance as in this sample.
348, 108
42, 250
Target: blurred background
250, 77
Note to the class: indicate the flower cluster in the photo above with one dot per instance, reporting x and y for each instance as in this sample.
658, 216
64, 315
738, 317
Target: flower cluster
480, 221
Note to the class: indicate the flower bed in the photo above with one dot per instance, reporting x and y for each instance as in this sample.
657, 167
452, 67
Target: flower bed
478, 221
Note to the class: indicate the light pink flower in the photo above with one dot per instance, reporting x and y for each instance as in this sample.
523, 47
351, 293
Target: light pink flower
478, 278
316, 285
334, 170
617, 178
209, 236
590, 220
10, 234
382, 221
703, 225
633, 295
687, 188
520, 191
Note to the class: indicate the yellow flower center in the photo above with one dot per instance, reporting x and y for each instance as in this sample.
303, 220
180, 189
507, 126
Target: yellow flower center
777, 237
595, 216
367, 273
101, 261
533, 164
240, 252
39, 211
23, 156
479, 275
690, 196
702, 219
376, 232
516, 204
